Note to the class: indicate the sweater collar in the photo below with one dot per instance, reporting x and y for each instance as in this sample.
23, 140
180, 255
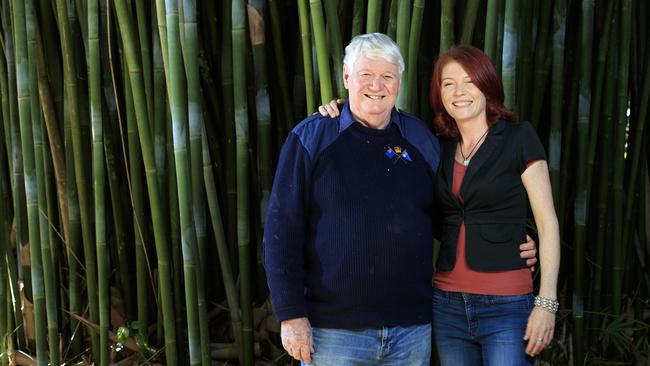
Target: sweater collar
347, 119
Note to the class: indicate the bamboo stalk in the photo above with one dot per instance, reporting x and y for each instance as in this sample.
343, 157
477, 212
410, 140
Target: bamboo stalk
49, 272
256, 28
305, 38
618, 257
70, 73
403, 29
229, 126
509, 58
321, 51
243, 224
490, 47
446, 25
162, 249
357, 16
222, 247
540, 77
24, 113
145, 54
195, 115
336, 46
373, 19
557, 101
280, 65
582, 201
414, 46
469, 21
99, 178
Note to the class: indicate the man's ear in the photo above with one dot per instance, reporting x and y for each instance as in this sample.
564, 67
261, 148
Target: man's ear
346, 76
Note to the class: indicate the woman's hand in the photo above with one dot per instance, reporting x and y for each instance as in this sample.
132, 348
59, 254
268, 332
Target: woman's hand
331, 109
539, 331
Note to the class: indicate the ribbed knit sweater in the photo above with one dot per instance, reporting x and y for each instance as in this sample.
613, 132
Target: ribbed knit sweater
348, 235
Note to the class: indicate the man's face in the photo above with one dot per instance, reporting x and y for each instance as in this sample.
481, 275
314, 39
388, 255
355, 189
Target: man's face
373, 85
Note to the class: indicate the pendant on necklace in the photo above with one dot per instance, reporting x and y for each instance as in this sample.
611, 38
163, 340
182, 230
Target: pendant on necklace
466, 162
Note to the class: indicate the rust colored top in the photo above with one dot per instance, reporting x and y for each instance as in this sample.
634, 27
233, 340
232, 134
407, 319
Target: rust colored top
463, 279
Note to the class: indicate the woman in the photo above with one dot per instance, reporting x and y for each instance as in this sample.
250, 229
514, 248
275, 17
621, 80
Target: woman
484, 312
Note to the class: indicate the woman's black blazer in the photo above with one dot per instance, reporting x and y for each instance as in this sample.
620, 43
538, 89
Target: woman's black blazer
495, 201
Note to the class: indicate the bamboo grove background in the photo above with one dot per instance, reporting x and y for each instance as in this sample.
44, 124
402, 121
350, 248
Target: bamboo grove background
138, 142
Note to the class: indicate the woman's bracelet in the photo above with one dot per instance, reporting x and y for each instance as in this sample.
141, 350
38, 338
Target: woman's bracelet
550, 305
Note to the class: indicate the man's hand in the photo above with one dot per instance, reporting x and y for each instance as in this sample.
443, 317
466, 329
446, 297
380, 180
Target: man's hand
529, 252
331, 109
297, 339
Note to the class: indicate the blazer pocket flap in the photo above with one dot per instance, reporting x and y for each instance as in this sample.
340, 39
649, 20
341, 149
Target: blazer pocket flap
497, 233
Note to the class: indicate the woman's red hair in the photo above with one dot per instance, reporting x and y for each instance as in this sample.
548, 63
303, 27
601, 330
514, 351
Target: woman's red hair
479, 68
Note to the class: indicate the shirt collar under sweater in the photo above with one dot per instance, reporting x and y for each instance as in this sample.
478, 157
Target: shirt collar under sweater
346, 119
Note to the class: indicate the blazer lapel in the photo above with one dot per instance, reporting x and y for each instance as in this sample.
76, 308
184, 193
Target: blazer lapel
492, 141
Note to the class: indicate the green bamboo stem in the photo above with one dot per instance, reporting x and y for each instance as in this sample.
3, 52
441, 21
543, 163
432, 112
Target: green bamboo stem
241, 129
73, 249
178, 107
636, 154
142, 16
18, 174
336, 46
557, 100
524, 60
159, 104
305, 42
501, 22
49, 272
222, 247
262, 103
51, 47
403, 29
229, 126
83, 196
5, 227
357, 16
321, 51
582, 201
414, 46
509, 58
7, 79
54, 136
99, 178
190, 44
618, 257
162, 250
373, 19
446, 25
278, 46
31, 196
469, 21
540, 77
491, 16
136, 187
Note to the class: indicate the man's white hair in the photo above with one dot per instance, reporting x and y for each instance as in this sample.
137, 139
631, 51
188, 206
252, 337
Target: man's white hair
373, 45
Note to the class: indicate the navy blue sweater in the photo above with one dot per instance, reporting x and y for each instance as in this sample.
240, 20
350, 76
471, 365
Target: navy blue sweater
348, 235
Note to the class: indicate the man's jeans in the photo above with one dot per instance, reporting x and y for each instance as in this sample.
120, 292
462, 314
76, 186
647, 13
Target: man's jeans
481, 329
403, 346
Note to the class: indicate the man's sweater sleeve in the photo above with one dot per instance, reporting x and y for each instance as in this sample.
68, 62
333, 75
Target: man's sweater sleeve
284, 231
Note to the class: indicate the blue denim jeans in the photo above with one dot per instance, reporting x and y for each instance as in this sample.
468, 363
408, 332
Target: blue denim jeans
390, 346
481, 329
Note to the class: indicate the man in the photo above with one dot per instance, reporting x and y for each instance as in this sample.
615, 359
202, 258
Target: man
348, 236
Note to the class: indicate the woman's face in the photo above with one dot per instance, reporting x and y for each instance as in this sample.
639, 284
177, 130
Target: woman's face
462, 99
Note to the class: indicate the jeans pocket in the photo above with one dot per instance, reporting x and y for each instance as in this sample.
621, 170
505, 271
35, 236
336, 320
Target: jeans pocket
440, 297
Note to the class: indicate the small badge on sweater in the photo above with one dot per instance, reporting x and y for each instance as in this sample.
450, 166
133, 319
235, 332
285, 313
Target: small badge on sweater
397, 153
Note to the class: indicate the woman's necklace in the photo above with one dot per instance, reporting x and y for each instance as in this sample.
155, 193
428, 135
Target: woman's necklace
467, 158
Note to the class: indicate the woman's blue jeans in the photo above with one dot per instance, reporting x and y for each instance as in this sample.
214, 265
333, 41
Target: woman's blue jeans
476, 330
390, 346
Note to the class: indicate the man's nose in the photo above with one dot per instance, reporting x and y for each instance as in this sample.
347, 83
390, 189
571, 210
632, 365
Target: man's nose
376, 83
